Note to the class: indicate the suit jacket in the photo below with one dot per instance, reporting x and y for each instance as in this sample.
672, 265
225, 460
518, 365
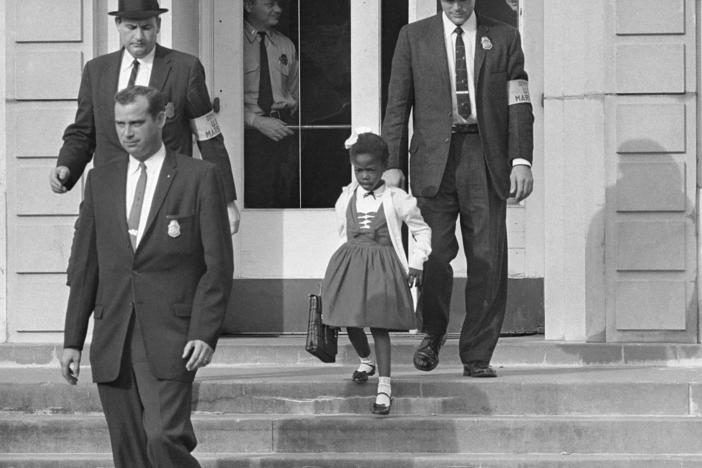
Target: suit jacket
420, 82
179, 76
177, 282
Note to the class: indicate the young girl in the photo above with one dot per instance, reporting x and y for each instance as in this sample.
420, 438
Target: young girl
368, 279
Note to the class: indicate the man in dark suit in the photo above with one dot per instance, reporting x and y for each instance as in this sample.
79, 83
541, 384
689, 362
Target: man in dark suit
180, 77
153, 260
463, 78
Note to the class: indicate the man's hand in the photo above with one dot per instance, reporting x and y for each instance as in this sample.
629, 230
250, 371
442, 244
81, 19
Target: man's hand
57, 177
521, 182
273, 128
234, 217
394, 178
70, 365
415, 277
200, 354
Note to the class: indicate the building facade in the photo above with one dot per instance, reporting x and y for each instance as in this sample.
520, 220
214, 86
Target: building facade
605, 249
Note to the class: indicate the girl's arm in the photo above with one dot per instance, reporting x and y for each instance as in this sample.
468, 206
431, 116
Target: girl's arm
340, 214
406, 207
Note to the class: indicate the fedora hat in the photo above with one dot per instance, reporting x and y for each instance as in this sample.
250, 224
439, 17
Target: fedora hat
138, 9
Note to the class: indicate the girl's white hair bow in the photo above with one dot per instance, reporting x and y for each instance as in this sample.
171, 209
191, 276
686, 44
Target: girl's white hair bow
351, 140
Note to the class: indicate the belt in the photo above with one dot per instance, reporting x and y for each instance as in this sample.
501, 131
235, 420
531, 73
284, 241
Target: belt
464, 128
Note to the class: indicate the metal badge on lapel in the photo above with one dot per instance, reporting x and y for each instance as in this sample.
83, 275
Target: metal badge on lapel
486, 43
170, 110
284, 59
174, 228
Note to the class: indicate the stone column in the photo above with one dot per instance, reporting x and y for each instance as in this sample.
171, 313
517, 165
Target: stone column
3, 171
576, 69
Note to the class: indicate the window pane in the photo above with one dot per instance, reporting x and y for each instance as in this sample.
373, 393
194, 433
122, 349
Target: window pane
325, 166
325, 62
306, 173
394, 16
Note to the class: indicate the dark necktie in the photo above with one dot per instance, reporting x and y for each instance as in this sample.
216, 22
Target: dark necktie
265, 92
369, 194
135, 210
135, 72
462, 93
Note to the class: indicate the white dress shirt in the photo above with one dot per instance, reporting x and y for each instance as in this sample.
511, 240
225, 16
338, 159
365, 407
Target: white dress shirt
153, 170
470, 30
146, 64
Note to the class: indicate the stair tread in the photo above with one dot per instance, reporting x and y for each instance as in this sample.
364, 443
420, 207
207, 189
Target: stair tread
10, 416
373, 455
340, 374
530, 350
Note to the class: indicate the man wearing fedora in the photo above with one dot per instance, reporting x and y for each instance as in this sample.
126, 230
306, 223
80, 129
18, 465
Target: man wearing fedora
141, 61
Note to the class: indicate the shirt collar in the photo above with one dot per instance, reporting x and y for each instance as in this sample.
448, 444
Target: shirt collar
153, 161
251, 33
127, 59
378, 191
470, 26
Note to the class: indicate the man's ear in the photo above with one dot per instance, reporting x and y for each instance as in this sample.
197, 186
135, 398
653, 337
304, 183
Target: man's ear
161, 118
158, 24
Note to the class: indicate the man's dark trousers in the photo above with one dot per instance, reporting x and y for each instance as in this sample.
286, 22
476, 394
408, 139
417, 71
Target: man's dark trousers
148, 418
466, 193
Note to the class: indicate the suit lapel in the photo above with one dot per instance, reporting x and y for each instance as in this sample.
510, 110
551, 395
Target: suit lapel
168, 173
479, 57
107, 91
112, 77
117, 184
438, 47
161, 69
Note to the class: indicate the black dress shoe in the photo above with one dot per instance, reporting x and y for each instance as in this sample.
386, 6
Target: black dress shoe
479, 369
426, 358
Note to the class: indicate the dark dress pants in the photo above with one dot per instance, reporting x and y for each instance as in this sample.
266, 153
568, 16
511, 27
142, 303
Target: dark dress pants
148, 418
466, 193
271, 171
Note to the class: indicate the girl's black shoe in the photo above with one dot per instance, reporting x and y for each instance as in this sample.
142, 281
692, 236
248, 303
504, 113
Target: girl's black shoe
382, 410
362, 376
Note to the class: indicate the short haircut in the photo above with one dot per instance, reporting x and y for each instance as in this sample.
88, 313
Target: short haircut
370, 143
156, 100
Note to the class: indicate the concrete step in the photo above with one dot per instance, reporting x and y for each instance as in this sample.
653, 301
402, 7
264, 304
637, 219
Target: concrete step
380, 460
514, 351
22, 433
328, 390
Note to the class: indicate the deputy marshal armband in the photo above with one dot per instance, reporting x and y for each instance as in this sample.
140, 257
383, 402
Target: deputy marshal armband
518, 92
205, 127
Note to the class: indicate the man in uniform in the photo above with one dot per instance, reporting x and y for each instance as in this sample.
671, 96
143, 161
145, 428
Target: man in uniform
153, 264
462, 77
180, 77
270, 103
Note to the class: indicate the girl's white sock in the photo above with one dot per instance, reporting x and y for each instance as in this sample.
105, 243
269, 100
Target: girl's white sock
367, 365
383, 388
